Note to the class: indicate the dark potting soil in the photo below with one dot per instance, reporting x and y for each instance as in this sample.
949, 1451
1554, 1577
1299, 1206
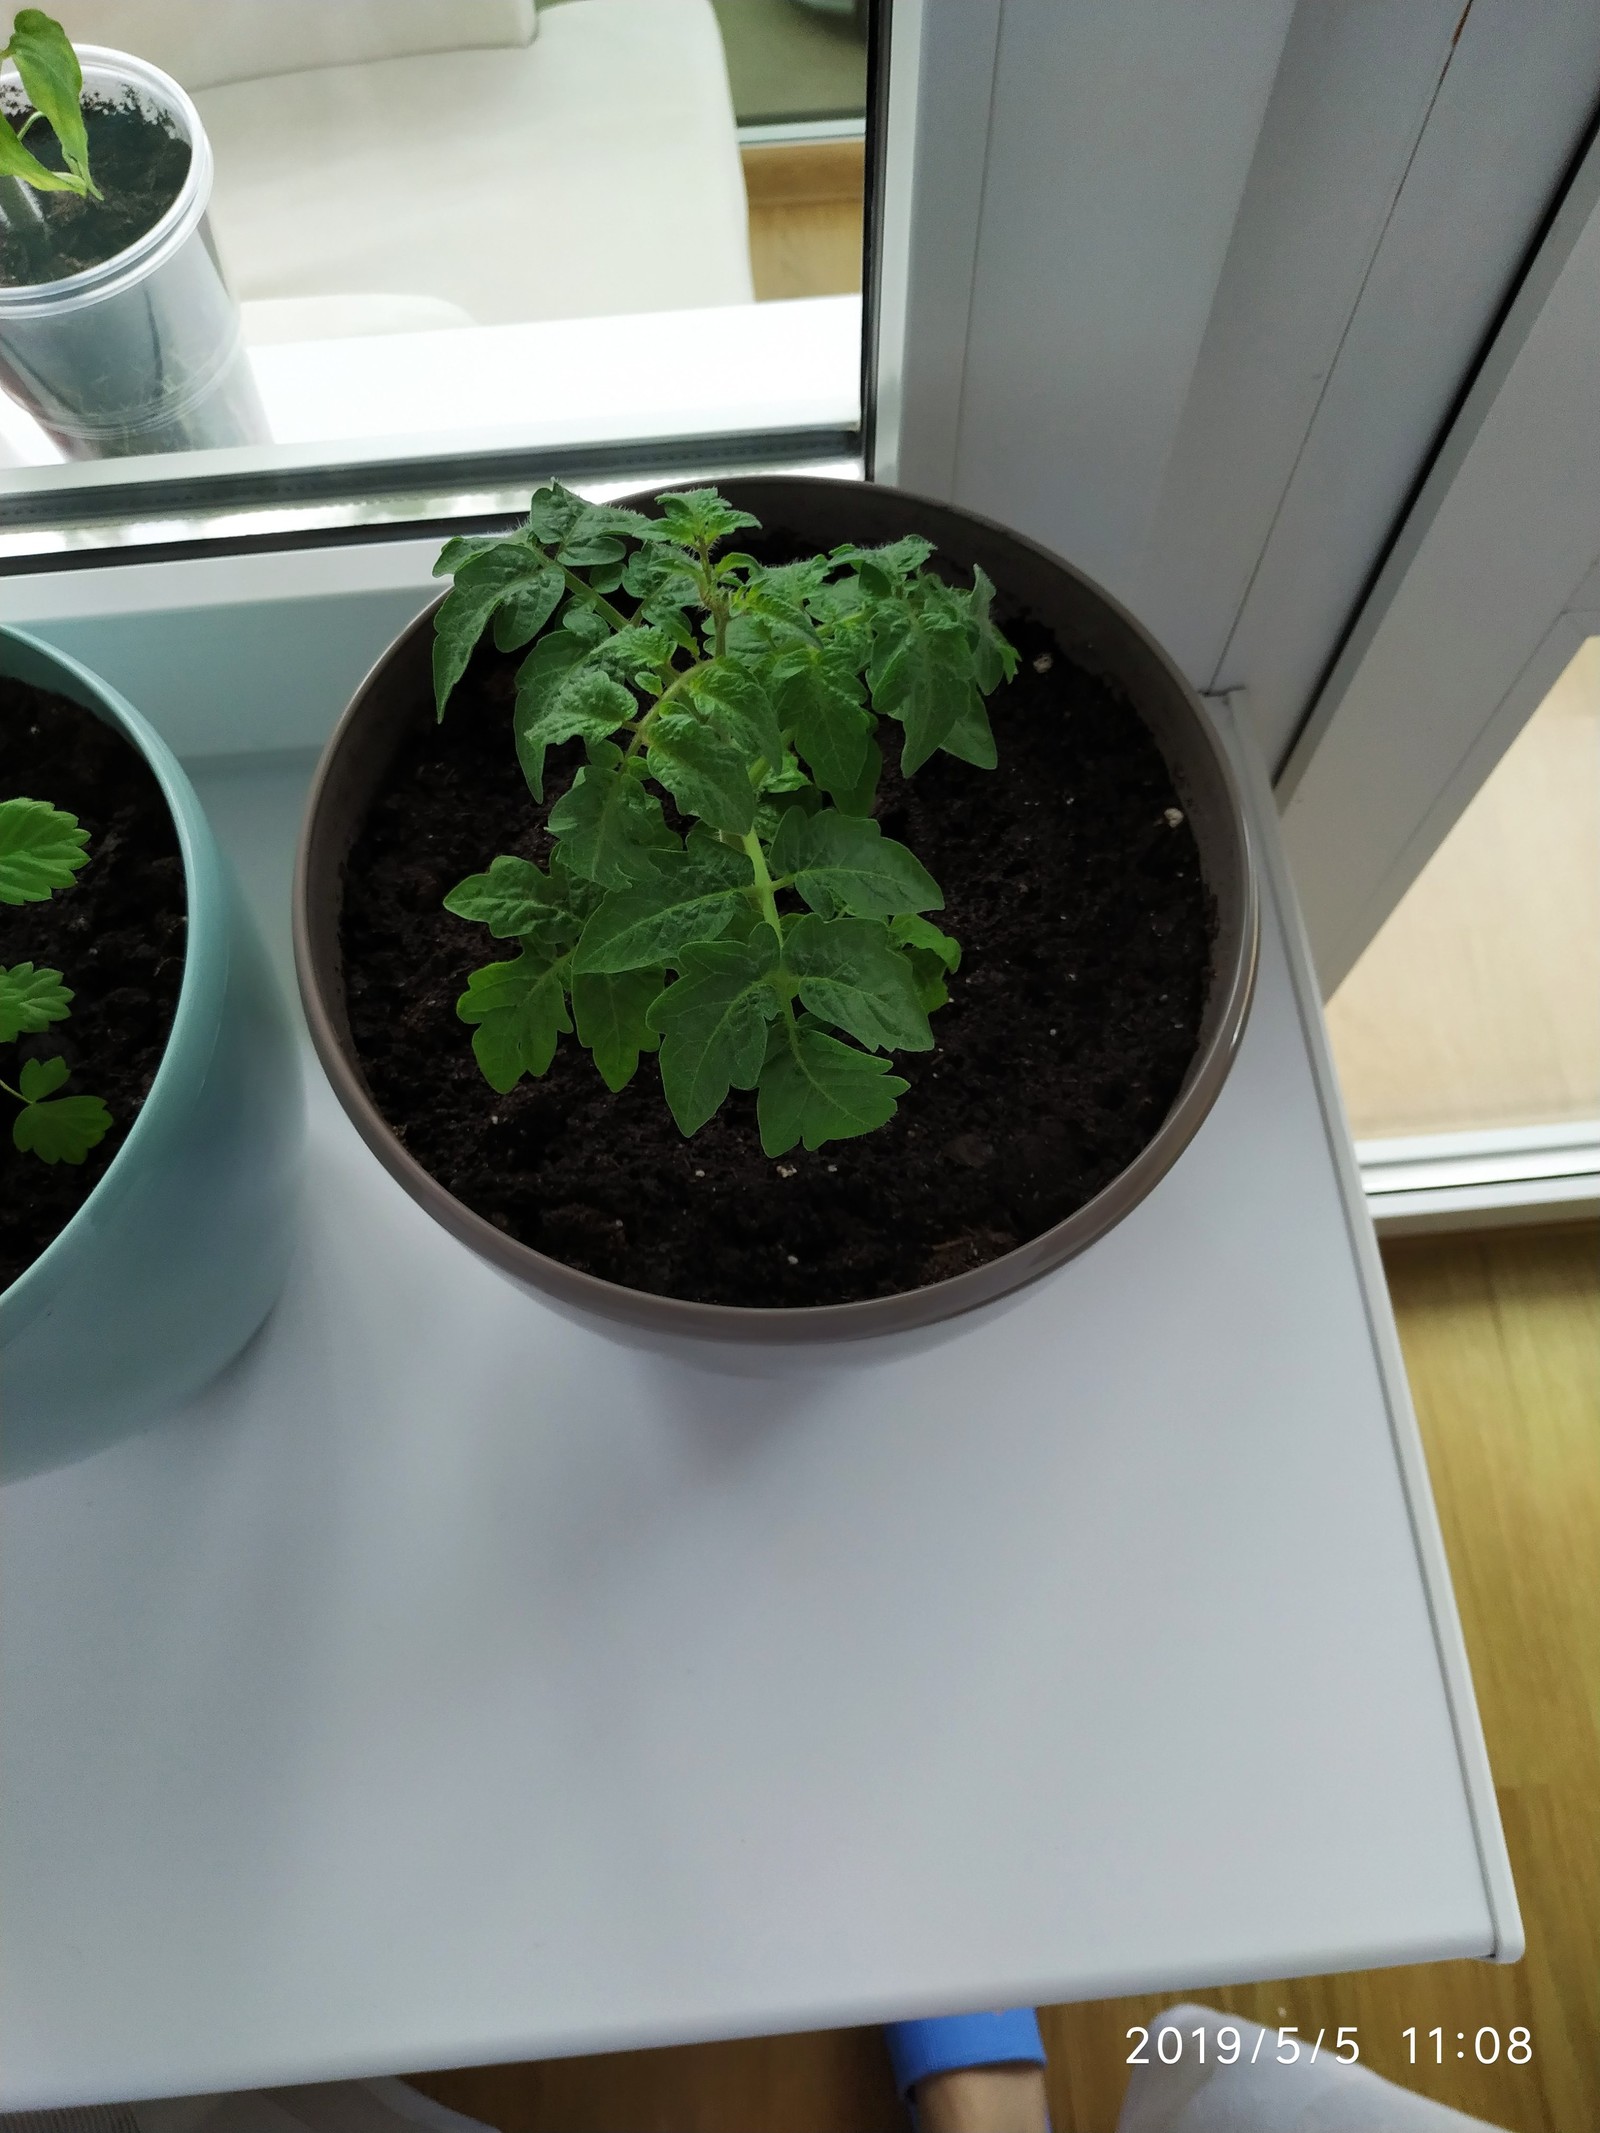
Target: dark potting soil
138, 160
1086, 930
117, 936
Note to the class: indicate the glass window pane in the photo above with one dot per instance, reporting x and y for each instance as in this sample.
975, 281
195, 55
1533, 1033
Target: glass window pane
449, 225
1478, 1004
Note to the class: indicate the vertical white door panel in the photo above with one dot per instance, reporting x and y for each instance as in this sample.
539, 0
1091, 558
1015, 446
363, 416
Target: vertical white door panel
1460, 636
1353, 95
1117, 137
1510, 112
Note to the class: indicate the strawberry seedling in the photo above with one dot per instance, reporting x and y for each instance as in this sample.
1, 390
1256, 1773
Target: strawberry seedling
41, 849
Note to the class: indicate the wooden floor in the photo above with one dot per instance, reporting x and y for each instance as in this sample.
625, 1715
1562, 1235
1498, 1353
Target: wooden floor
805, 218
1502, 1342
1479, 1002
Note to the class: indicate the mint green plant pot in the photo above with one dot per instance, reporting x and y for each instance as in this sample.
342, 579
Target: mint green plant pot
180, 1251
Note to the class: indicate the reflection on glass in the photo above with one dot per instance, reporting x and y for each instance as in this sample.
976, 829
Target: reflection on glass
1478, 1004
404, 189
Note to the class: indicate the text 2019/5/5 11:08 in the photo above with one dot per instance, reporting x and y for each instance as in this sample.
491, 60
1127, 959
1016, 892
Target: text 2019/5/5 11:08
1287, 2045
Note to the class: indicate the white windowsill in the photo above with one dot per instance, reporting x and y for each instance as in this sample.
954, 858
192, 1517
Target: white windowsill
737, 368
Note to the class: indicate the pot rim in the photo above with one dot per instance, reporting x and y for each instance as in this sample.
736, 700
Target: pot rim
31, 1288
808, 1324
105, 67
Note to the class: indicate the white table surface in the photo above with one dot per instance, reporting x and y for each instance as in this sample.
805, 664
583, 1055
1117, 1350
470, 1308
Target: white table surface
450, 1684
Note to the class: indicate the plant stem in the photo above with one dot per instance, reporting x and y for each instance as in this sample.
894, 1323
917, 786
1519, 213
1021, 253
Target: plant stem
613, 615
10, 1091
765, 886
667, 693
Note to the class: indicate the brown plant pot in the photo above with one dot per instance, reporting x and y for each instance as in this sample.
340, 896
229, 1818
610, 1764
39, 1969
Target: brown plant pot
1095, 633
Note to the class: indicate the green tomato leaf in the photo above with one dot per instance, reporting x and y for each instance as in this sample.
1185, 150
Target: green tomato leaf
707, 774
887, 567
610, 1007
713, 1025
994, 657
922, 674
582, 533
523, 613
925, 937
30, 1000
520, 1009
63, 1131
859, 799
844, 863
512, 898
819, 705
971, 738
815, 1089
696, 518
611, 828
851, 974
740, 708
41, 848
41, 1077
684, 901
462, 549
562, 692
933, 956
54, 84
482, 581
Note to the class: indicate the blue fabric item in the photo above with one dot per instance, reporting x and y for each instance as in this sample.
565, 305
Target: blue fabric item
1008, 2036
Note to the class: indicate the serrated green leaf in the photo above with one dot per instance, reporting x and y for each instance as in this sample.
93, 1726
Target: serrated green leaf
610, 1008
41, 848
644, 928
573, 527
739, 704
53, 81
892, 563
705, 772
850, 974
922, 674
612, 830
994, 656
933, 957
910, 931
512, 898
461, 549
523, 613
860, 797
785, 588
586, 623
41, 1077
30, 1000
520, 1009
971, 738
819, 705
482, 582
815, 1089
695, 518
844, 863
62, 1131
713, 1025
563, 694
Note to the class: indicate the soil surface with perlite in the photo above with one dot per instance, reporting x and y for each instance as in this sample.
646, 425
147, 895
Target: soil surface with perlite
139, 161
1071, 880
117, 935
